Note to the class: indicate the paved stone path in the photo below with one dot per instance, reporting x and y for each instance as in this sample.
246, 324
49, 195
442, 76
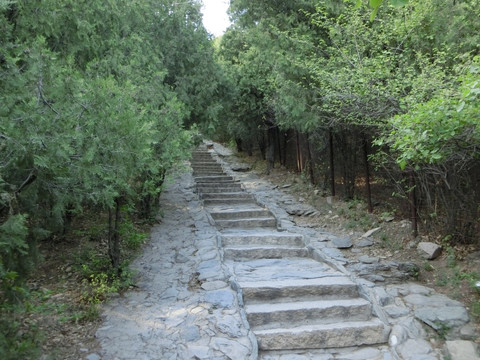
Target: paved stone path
193, 300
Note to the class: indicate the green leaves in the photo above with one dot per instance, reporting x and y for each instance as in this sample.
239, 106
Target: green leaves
399, 3
440, 131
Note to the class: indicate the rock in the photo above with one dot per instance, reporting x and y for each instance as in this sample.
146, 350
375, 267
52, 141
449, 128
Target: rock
382, 296
374, 278
191, 333
364, 243
396, 311
364, 354
180, 258
461, 350
240, 167
169, 293
232, 349
442, 318
368, 260
370, 232
413, 348
221, 298
342, 243
335, 254
214, 285
429, 250
198, 352
92, 356
231, 326
468, 332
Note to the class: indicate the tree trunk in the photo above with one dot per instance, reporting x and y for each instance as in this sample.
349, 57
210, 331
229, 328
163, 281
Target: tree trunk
114, 236
310, 161
299, 154
270, 154
332, 169
413, 203
279, 146
285, 143
367, 176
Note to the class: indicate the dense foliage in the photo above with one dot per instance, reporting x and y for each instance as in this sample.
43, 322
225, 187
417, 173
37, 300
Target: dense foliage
95, 101
349, 85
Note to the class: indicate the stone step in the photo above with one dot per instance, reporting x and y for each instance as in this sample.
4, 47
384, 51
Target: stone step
321, 336
213, 165
227, 195
240, 252
233, 214
220, 189
261, 222
202, 173
230, 201
261, 237
299, 313
323, 288
202, 158
213, 179
223, 184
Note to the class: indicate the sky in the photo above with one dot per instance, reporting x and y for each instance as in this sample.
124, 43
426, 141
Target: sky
215, 18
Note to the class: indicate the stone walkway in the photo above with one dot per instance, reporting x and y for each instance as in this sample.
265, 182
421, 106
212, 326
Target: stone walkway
185, 306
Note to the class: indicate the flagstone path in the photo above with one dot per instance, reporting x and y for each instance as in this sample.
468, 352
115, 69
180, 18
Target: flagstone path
227, 275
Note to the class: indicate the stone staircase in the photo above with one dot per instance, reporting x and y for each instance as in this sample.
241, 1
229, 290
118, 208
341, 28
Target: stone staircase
291, 300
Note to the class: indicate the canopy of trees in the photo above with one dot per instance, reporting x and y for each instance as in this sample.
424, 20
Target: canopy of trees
96, 98
352, 86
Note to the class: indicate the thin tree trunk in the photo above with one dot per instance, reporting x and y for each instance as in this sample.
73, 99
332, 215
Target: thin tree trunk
332, 169
310, 162
270, 155
277, 135
367, 176
413, 203
114, 236
299, 154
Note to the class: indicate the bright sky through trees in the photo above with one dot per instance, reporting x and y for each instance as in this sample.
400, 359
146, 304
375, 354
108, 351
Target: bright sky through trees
215, 18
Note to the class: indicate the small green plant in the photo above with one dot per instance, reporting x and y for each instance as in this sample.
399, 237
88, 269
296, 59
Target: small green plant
132, 238
442, 329
428, 267
475, 308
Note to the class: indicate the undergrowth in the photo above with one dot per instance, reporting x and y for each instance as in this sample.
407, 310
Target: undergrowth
22, 307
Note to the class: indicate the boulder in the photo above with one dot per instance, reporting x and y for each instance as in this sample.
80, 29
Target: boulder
429, 250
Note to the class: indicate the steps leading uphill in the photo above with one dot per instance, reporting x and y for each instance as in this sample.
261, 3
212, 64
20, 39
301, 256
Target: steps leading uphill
291, 300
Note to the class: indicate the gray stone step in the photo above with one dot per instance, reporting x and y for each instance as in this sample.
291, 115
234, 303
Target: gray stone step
220, 189
230, 201
299, 313
223, 184
207, 166
215, 179
260, 222
324, 288
207, 172
321, 336
233, 214
244, 252
227, 195
261, 237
